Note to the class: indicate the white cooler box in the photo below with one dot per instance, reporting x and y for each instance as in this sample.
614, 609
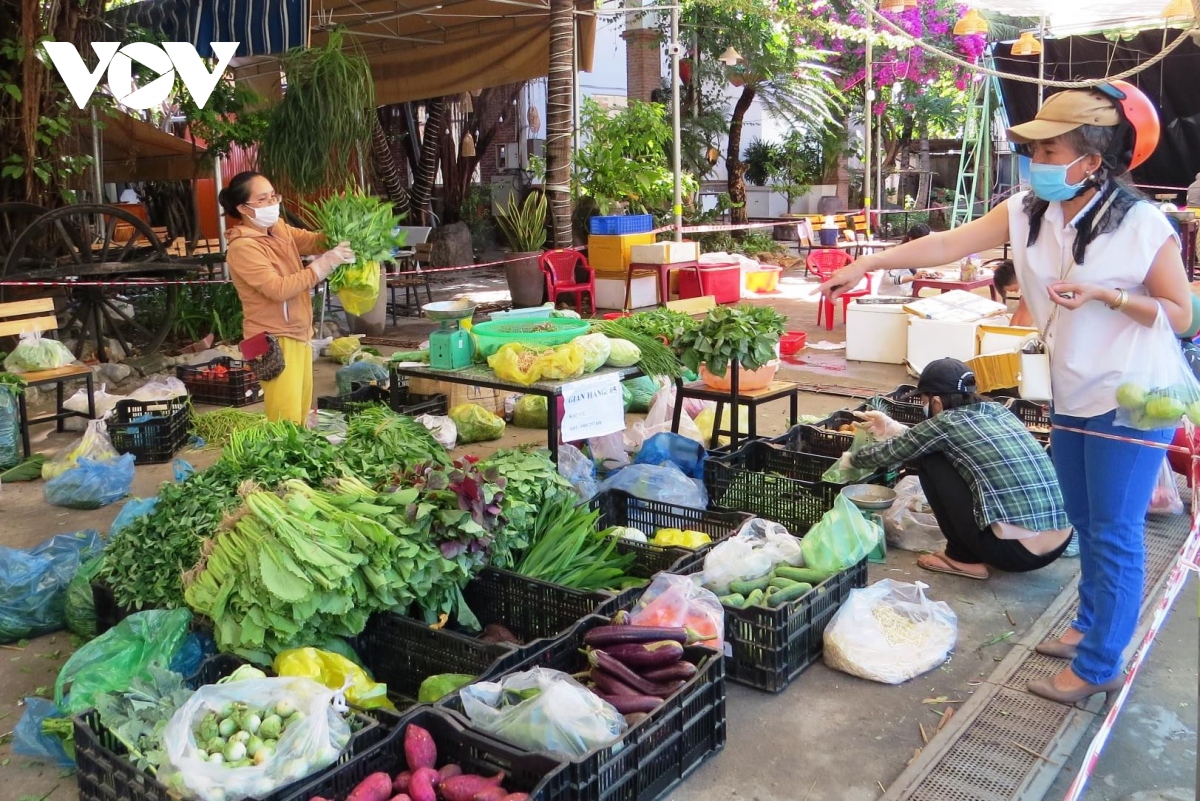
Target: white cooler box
664, 253
610, 292
876, 332
930, 340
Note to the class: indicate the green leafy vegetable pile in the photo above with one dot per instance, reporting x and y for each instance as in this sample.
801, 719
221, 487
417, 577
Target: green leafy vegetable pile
138, 716
380, 444
743, 334
666, 323
566, 549
366, 222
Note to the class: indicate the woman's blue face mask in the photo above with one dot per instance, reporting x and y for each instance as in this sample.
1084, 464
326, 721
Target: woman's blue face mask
1049, 181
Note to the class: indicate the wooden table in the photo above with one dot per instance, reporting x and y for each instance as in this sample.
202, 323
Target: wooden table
948, 284
664, 278
751, 399
552, 391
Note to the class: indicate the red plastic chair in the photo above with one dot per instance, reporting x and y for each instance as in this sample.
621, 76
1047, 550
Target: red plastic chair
825, 263
558, 266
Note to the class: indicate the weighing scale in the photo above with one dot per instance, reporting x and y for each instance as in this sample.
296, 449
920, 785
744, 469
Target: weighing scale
450, 347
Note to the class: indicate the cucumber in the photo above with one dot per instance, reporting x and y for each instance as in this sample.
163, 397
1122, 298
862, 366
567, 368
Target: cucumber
748, 586
798, 590
781, 583
753, 599
733, 599
802, 574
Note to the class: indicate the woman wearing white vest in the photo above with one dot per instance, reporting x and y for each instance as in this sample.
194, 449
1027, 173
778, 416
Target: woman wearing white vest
1095, 262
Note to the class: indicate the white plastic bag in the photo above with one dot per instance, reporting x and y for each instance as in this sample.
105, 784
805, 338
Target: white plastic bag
314, 743
442, 427
1158, 386
1166, 500
152, 391
35, 352
910, 524
609, 450
78, 402
94, 445
653, 482
673, 600
759, 546
563, 717
890, 632
658, 420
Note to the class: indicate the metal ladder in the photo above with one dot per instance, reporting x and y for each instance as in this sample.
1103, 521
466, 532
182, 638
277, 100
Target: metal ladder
975, 161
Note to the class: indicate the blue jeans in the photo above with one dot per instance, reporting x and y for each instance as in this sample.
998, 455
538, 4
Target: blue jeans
1106, 487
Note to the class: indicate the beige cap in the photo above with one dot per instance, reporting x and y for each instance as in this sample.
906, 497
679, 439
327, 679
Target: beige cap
1063, 112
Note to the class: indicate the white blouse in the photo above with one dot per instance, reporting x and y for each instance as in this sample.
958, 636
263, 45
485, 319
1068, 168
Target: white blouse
1091, 346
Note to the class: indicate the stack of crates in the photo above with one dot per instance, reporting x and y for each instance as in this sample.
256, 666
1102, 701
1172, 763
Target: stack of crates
610, 246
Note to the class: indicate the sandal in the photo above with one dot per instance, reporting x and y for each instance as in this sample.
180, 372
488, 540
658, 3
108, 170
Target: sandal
940, 563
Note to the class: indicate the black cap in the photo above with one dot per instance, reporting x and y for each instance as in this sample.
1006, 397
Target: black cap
945, 377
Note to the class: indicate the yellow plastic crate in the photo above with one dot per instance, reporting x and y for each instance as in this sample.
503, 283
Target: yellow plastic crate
612, 253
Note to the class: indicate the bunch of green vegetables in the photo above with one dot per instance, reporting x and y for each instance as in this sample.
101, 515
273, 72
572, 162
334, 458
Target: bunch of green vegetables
138, 716
666, 323
656, 358
528, 478
746, 335
366, 222
217, 427
566, 549
381, 444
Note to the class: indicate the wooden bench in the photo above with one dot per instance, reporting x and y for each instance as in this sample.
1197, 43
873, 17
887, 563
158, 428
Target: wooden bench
37, 316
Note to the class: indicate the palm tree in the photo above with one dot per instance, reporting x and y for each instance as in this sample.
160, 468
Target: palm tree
559, 101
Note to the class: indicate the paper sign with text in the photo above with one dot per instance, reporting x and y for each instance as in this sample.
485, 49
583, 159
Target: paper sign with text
592, 407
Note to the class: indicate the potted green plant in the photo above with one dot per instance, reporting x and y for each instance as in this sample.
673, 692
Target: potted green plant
524, 226
745, 335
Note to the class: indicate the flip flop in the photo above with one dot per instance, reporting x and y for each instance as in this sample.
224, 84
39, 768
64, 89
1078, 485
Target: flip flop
943, 565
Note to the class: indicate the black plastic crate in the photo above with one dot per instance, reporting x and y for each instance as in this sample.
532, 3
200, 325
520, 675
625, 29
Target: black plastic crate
778, 484
768, 648
404, 401
108, 612
359, 397
1035, 416
907, 412
152, 431
655, 754
238, 387
539, 775
823, 438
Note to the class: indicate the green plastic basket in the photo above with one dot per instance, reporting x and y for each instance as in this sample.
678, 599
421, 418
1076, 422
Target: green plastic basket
491, 335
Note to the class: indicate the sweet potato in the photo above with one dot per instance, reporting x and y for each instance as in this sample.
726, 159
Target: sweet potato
400, 785
449, 772
467, 786
419, 748
490, 794
420, 787
376, 787
401, 797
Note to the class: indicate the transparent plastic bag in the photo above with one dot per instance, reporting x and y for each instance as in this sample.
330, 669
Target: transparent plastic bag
686, 454
524, 365
559, 716
1159, 387
890, 632
33, 583
79, 604
305, 747
666, 483
359, 373
1166, 499
334, 671
113, 660
360, 297
442, 428
531, 411
758, 547
35, 352
641, 392
166, 389
103, 401
476, 424
673, 600
909, 524
10, 440
707, 419
658, 421
133, 509
91, 485
609, 450
94, 445
576, 467
840, 539
31, 742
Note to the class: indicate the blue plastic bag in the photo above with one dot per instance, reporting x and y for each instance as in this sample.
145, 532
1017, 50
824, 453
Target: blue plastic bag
686, 454
196, 647
666, 483
359, 373
30, 741
131, 511
91, 485
183, 469
33, 583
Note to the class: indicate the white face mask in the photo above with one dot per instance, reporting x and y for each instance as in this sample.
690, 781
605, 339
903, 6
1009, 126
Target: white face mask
266, 216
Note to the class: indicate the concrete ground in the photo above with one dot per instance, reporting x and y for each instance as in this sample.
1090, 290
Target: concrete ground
829, 735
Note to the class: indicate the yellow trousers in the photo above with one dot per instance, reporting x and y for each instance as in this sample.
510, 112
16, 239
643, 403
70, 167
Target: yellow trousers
288, 396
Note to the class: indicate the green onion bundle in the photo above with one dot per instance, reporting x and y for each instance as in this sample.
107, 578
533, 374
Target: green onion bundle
657, 359
566, 549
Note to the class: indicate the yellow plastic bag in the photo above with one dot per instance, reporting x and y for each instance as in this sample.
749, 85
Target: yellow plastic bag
359, 298
332, 670
706, 418
342, 348
524, 365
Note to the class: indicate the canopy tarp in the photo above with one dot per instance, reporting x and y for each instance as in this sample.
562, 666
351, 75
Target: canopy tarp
261, 27
1065, 17
137, 151
419, 49
1170, 84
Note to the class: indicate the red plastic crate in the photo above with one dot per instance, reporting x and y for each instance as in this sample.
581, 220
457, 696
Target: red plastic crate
722, 281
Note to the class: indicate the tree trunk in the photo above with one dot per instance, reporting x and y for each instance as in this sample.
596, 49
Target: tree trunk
907, 185
386, 171
559, 103
733, 158
427, 163
923, 157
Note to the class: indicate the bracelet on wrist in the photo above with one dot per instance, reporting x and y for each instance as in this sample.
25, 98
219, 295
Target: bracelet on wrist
1121, 302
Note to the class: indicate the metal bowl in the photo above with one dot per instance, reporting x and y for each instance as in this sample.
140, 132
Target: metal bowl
449, 310
870, 496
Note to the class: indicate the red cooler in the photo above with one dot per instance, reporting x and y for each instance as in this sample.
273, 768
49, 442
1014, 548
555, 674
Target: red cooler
722, 281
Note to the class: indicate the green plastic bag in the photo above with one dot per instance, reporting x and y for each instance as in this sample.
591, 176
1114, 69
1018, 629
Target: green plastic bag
837, 474
530, 411
840, 539
79, 605
475, 423
125, 652
641, 392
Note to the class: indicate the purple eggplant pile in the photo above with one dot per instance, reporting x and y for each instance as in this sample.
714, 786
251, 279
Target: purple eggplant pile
636, 668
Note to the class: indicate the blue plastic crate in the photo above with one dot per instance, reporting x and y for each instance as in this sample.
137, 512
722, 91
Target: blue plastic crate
621, 224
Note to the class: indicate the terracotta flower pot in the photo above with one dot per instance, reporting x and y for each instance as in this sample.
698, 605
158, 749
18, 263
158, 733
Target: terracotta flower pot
747, 379
526, 284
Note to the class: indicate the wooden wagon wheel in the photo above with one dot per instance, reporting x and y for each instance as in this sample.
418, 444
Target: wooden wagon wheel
97, 243
14, 218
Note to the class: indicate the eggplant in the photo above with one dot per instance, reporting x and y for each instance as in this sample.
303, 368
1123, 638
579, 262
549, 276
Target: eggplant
603, 636
647, 655
680, 671
629, 704
609, 684
622, 673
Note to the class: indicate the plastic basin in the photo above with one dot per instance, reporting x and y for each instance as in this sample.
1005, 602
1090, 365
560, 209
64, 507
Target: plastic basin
764, 280
490, 336
747, 379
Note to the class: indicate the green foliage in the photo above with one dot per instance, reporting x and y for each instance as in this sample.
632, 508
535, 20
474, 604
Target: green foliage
203, 309
524, 225
476, 212
745, 334
138, 717
231, 117
626, 158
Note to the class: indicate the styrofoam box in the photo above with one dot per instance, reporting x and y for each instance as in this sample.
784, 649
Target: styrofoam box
610, 292
929, 340
664, 253
876, 333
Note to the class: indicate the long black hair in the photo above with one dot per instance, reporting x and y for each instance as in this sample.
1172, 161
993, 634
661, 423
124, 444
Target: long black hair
236, 193
1108, 209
